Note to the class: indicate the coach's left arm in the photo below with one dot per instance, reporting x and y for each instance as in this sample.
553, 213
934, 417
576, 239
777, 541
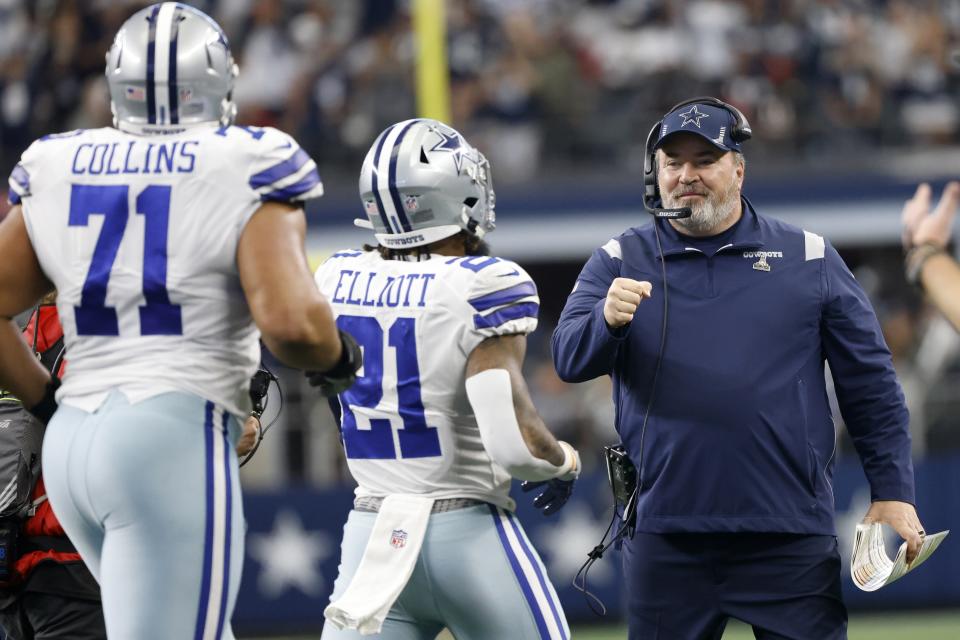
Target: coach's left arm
870, 399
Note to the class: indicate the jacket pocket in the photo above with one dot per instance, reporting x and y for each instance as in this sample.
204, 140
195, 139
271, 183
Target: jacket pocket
813, 464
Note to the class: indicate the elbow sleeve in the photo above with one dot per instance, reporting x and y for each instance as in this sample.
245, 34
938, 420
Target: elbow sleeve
491, 396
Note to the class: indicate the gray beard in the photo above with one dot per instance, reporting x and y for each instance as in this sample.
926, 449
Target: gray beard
707, 215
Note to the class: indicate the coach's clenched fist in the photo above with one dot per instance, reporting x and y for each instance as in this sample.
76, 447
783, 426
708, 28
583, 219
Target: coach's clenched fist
623, 298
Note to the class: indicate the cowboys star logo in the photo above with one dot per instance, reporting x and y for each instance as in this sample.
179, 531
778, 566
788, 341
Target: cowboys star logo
453, 143
693, 115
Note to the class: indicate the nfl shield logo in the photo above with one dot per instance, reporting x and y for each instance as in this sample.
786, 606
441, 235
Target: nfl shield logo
411, 203
370, 206
398, 539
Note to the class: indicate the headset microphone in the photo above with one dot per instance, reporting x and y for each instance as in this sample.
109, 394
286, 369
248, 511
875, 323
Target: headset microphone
672, 214
651, 195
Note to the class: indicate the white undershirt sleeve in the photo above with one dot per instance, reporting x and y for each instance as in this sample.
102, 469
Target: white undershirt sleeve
491, 396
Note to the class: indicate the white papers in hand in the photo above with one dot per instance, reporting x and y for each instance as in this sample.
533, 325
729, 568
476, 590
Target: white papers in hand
871, 567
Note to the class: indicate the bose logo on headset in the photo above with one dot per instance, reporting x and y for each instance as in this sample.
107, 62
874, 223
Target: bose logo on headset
715, 129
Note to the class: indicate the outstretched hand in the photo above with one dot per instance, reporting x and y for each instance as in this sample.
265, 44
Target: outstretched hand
902, 516
920, 226
553, 496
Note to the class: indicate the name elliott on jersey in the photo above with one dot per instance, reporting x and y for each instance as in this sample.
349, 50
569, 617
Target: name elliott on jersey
371, 289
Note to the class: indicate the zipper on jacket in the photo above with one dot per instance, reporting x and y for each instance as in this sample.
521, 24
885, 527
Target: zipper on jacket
710, 283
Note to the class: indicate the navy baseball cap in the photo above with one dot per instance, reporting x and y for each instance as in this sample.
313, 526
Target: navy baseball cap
710, 121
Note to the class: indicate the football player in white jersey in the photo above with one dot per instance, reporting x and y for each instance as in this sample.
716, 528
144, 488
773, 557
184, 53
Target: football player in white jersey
171, 238
439, 419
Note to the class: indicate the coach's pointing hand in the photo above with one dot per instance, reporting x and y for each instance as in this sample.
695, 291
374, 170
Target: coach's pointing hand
623, 298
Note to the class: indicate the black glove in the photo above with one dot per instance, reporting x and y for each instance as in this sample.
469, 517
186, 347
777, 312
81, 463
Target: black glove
343, 374
47, 406
555, 493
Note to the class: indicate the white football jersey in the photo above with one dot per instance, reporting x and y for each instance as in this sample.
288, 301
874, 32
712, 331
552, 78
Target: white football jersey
139, 234
407, 425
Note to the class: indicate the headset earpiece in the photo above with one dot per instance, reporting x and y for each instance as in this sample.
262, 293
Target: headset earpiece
742, 131
650, 166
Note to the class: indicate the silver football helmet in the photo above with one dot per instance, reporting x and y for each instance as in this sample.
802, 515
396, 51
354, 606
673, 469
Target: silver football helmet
421, 182
170, 66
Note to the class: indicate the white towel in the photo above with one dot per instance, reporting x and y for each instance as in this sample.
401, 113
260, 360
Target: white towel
386, 565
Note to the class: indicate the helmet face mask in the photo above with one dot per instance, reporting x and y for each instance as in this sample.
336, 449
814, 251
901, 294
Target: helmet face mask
169, 67
422, 182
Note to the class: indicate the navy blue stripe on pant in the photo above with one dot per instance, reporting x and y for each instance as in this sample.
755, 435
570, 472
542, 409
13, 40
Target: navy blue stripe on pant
228, 518
215, 581
526, 568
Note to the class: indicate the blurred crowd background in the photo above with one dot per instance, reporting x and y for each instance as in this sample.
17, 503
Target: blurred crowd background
540, 84
564, 91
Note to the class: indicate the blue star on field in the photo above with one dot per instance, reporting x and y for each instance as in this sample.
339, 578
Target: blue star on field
451, 142
289, 556
693, 115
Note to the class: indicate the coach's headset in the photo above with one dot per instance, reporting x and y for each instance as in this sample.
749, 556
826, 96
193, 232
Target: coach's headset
740, 132
626, 480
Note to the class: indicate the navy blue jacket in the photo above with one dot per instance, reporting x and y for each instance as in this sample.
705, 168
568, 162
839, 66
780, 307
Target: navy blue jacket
740, 435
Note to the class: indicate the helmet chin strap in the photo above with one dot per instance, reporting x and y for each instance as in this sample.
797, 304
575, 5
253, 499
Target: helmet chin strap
228, 112
473, 227
228, 108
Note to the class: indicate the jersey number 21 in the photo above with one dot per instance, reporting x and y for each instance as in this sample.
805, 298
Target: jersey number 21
416, 439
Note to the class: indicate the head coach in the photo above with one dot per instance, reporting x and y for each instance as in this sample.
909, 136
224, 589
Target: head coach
715, 323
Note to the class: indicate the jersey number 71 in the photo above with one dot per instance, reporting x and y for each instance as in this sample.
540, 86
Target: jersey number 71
93, 317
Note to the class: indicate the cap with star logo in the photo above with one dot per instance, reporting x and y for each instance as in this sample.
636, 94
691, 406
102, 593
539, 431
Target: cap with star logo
710, 121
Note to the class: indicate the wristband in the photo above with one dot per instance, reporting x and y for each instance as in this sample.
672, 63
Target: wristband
47, 406
350, 358
570, 469
915, 260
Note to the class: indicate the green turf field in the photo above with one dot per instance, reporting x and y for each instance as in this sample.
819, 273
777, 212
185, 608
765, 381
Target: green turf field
921, 625
913, 626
